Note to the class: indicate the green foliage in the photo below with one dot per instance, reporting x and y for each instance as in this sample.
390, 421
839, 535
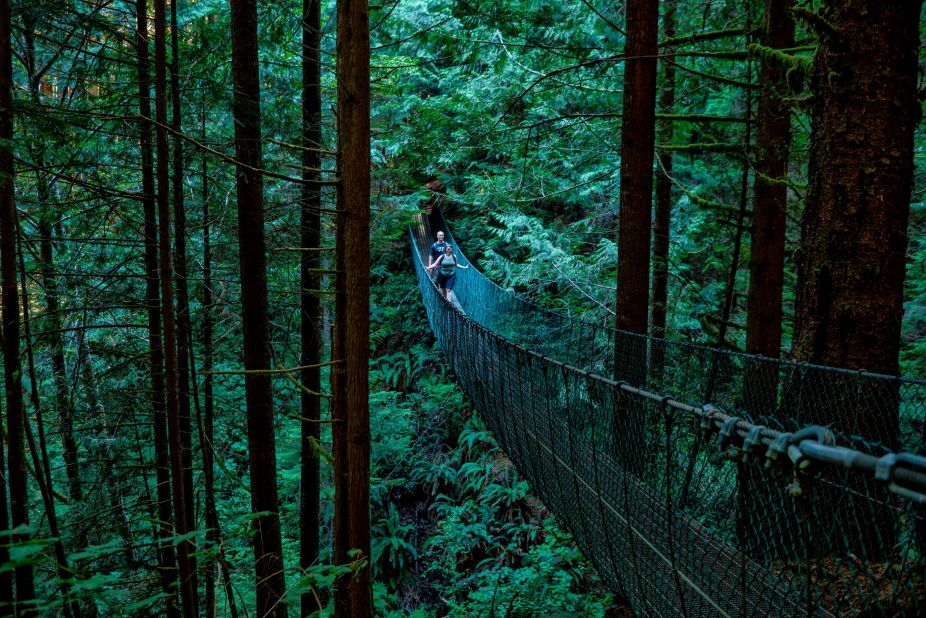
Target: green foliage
393, 549
543, 585
514, 106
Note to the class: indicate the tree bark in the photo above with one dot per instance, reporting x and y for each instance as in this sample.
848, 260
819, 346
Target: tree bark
12, 367
851, 261
310, 281
171, 382
758, 496
350, 386
183, 297
638, 136
268, 553
166, 557
770, 203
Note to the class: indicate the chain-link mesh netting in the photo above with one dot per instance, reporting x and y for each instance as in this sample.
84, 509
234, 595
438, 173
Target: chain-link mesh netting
692, 509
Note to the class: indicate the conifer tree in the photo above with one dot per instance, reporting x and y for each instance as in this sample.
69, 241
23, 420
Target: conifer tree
350, 410
16, 476
268, 549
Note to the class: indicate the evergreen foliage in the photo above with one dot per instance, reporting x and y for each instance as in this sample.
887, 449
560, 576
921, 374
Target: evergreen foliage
505, 113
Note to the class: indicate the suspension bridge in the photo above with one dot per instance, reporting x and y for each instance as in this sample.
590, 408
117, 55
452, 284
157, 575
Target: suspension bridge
702, 482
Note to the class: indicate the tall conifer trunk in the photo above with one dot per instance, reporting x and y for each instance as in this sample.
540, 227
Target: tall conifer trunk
757, 498
6, 203
851, 262
350, 385
183, 295
12, 366
185, 547
166, 557
638, 138
39, 452
767, 254
268, 552
310, 282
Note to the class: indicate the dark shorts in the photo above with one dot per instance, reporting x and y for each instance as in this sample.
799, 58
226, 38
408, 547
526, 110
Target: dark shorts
446, 281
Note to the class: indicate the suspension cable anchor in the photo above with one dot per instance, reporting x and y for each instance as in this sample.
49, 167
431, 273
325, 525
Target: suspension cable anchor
778, 447
886, 469
752, 442
727, 432
814, 433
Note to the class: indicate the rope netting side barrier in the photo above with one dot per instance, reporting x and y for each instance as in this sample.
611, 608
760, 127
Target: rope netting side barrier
687, 503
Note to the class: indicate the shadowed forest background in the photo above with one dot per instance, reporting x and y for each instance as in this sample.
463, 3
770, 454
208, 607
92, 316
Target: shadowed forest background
505, 115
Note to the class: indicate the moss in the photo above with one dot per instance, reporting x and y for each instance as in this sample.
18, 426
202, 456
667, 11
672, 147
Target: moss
814, 21
797, 68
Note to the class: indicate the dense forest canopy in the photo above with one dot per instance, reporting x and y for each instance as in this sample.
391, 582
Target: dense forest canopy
169, 365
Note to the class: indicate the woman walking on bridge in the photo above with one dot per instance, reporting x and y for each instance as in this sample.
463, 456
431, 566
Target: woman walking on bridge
447, 265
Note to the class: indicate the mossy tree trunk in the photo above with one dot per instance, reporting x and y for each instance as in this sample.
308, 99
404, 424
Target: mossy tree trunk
853, 242
854, 231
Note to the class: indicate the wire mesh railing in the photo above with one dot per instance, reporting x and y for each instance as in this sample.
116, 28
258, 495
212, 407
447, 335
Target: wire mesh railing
689, 509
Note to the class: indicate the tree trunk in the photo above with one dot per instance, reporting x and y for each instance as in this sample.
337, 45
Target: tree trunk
7, 607
350, 385
171, 382
6, 578
183, 298
638, 135
166, 556
720, 370
107, 458
767, 254
854, 232
310, 281
12, 367
662, 222
268, 553
757, 495
851, 261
